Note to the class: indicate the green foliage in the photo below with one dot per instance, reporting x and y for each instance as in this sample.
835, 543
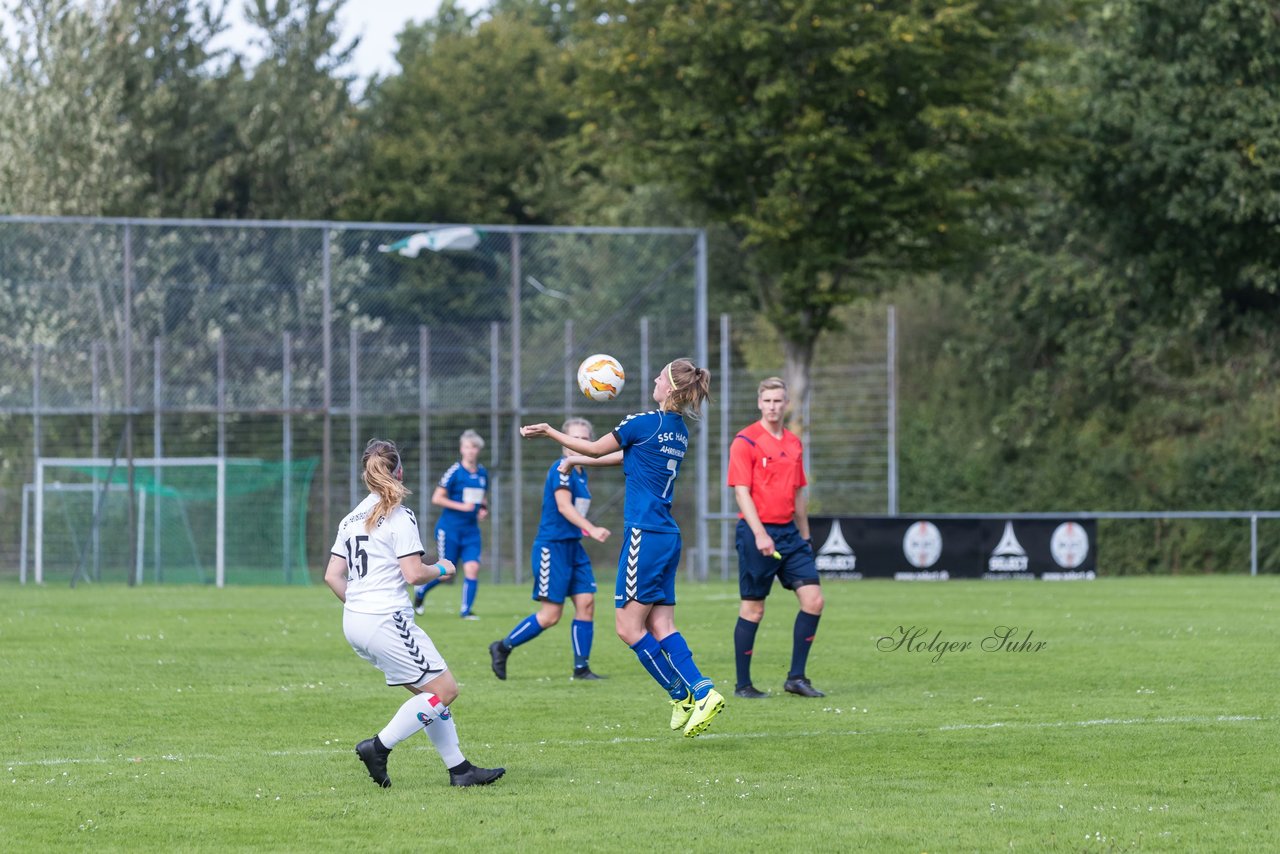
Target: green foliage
1183, 122
216, 720
295, 131
61, 141
174, 109
466, 131
126, 109
838, 140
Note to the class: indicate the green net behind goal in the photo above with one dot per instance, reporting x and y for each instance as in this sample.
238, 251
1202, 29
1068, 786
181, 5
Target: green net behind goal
181, 521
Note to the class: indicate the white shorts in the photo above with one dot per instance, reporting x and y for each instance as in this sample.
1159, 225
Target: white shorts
394, 644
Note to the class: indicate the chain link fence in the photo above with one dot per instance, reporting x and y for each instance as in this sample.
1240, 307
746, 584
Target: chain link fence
292, 343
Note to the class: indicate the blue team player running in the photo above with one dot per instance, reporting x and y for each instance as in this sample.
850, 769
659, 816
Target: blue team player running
561, 567
461, 493
651, 447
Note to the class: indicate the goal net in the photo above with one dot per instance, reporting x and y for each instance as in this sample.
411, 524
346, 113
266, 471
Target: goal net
178, 520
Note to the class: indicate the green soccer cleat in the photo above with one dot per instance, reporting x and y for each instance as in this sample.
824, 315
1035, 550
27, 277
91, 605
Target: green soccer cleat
704, 711
681, 711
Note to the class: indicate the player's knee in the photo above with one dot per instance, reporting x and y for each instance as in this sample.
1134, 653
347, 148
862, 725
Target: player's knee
751, 610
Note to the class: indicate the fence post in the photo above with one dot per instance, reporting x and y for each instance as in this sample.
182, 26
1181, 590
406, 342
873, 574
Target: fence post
286, 441
726, 403
424, 423
1253, 544
495, 457
353, 410
891, 359
157, 441
326, 355
517, 450
703, 454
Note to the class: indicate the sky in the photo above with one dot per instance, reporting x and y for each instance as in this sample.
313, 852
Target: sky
377, 21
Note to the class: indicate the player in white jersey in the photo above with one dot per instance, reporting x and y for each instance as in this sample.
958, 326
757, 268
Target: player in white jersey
378, 549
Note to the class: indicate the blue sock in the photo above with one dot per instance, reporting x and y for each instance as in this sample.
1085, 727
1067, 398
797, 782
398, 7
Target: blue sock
420, 592
469, 586
525, 631
649, 651
682, 660
581, 633
801, 640
744, 644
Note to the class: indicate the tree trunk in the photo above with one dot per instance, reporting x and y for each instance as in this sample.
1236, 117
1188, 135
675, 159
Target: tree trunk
797, 360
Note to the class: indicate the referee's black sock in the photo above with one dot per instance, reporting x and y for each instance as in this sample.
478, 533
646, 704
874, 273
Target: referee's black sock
744, 644
461, 768
802, 639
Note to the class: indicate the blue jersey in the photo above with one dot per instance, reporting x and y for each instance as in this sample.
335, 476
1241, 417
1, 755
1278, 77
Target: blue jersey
653, 446
553, 525
467, 487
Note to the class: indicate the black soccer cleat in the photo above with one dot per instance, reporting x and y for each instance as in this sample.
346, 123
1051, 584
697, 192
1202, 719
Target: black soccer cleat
475, 776
585, 673
750, 692
498, 655
802, 686
375, 760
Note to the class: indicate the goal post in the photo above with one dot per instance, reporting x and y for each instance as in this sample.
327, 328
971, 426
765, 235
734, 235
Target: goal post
206, 520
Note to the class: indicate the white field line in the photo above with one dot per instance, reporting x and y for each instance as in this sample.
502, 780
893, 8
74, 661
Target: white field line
734, 736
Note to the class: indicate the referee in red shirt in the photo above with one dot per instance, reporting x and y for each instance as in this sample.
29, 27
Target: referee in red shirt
766, 471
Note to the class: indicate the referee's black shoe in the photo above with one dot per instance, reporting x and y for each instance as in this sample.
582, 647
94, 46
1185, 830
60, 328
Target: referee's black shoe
750, 692
802, 686
473, 776
498, 654
375, 760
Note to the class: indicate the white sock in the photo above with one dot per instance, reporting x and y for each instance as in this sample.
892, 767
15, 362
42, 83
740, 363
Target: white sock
417, 711
444, 735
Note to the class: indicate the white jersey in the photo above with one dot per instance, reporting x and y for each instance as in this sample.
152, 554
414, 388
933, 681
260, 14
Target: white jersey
375, 584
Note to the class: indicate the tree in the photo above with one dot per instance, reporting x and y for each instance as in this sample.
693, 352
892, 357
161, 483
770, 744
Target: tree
296, 136
175, 97
1184, 125
465, 132
839, 141
62, 139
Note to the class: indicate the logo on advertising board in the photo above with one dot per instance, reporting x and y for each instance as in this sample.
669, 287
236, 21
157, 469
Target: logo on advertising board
922, 545
1008, 555
835, 556
1069, 545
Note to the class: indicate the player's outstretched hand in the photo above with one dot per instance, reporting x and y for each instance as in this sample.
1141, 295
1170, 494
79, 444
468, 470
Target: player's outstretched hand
598, 534
530, 430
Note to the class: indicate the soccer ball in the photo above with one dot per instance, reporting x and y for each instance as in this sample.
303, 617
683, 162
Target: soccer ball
601, 377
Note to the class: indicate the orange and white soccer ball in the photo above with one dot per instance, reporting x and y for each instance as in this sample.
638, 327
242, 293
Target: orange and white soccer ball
601, 377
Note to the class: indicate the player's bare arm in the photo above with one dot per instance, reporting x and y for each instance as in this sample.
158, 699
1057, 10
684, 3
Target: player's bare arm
606, 444
335, 575
416, 571
564, 503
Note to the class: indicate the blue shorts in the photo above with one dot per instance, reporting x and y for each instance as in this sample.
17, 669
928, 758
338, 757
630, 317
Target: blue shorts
561, 570
460, 546
756, 571
647, 567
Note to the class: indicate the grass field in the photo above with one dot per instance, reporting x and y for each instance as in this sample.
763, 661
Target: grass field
169, 719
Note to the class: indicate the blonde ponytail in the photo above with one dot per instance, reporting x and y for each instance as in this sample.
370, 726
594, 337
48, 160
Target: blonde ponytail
382, 473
